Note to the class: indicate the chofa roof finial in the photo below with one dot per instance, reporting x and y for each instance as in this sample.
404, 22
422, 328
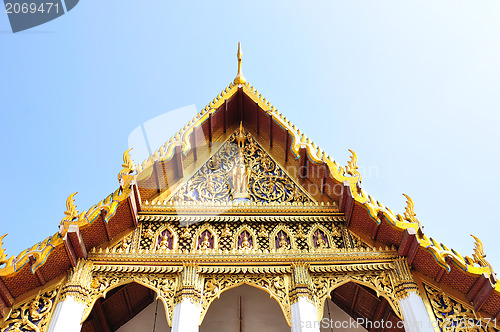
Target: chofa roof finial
240, 79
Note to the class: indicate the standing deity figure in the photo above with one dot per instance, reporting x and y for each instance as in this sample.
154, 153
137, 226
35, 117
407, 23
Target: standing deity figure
240, 178
240, 139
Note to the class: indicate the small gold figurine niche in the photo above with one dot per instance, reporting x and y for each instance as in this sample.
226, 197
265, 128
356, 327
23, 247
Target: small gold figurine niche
245, 240
165, 240
320, 239
282, 240
206, 240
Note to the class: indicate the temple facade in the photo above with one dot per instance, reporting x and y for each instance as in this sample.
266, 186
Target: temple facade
240, 222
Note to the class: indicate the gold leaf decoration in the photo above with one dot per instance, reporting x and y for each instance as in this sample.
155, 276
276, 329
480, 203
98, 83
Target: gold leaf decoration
32, 315
71, 214
479, 257
352, 166
214, 182
128, 168
409, 213
3, 255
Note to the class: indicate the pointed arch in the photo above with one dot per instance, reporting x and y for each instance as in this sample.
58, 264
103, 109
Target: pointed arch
325, 285
103, 283
157, 237
281, 228
200, 231
277, 286
311, 236
251, 232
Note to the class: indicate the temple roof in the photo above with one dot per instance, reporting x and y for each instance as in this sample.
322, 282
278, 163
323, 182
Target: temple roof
145, 189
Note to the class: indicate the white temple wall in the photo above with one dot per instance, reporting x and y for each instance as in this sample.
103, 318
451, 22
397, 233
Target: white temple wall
259, 312
144, 320
67, 316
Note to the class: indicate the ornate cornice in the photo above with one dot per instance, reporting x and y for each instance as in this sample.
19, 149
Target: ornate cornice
244, 269
137, 268
188, 220
242, 256
352, 267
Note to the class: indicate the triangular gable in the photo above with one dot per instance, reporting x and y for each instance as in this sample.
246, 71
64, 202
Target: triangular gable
215, 180
286, 145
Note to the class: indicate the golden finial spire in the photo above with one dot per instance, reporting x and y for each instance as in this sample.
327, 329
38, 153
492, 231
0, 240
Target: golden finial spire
240, 79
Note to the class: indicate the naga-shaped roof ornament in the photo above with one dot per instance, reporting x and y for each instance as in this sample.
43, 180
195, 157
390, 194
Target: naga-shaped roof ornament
410, 214
479, 256
128, 168
3, 255
352, 166
70, 214
240, 79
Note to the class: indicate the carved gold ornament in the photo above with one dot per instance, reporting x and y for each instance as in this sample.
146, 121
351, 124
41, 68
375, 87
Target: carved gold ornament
124, 176
205, 238
164, 286
186, 234
300, 232
235, 172
325, 283
32, 315
277, 286
239, 241
3, 255
352, 166
166, 238
240, 79
262, 231
319, 238
453, 315
226, 232
479, 257
70, 215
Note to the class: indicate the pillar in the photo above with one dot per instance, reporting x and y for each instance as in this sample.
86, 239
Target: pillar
415, 315
187, 310
303, 309
68, 314
304, 316
186, 316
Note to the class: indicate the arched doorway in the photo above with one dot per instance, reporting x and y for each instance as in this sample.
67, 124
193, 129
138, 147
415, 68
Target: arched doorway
353, 303
244, 308
127, 308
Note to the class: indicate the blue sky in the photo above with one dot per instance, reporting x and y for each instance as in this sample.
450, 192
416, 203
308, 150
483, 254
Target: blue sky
411, 87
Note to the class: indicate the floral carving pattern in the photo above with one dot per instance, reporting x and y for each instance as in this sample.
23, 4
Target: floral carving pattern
452, 315
31, 316
163, 284
268, 182
381, 282
276, 285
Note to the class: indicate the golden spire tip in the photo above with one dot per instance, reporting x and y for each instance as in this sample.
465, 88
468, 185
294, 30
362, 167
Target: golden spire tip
240, 79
